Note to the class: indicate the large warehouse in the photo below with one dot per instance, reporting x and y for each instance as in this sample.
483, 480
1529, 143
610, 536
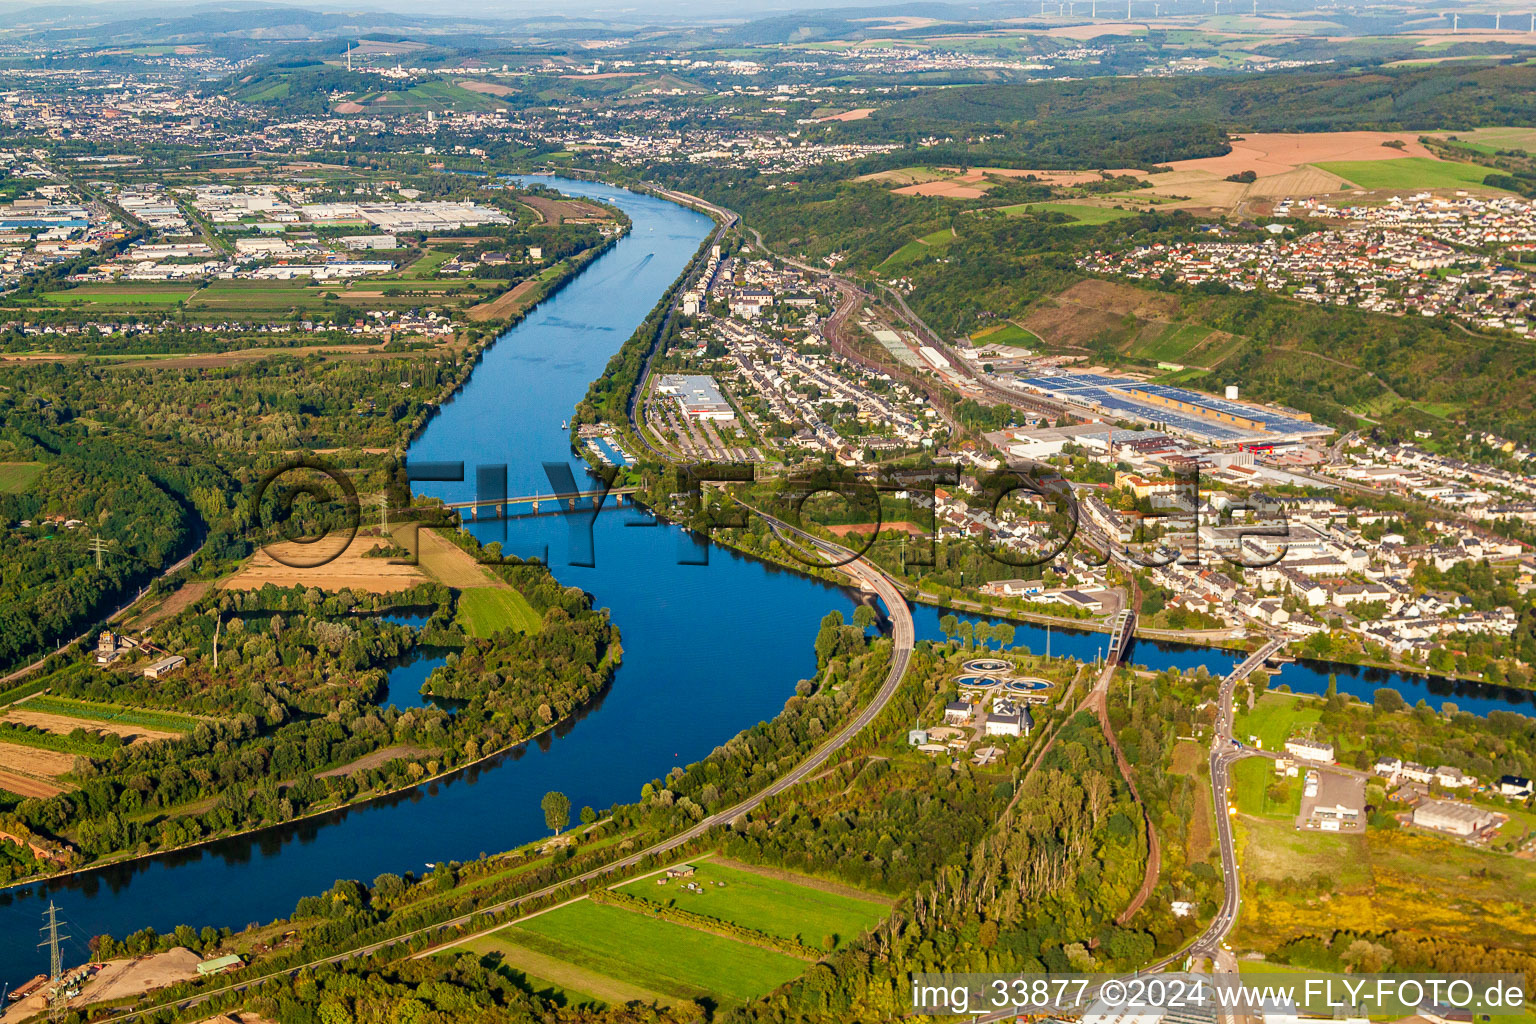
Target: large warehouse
1449, 816
1205, 418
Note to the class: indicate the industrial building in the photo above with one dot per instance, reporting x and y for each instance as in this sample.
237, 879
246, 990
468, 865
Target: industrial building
697, 394
1204, 418
1455, 818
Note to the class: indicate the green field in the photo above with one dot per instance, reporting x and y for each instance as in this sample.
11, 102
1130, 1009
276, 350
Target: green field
918, 248
1007, 334
669, 959
434, 95
1077, 211
1169, 343
424, 267
16, 477
131, 293
1409, 172
770, 905
484, 611
1251, 779
1275, 718
165, 721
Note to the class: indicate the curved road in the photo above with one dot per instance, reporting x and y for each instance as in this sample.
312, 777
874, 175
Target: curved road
903, 634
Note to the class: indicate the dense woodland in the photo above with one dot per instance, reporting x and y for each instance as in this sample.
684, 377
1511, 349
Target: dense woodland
294, 703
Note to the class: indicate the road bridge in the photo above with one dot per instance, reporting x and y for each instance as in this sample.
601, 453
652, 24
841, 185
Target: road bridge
1122, 631
568, 498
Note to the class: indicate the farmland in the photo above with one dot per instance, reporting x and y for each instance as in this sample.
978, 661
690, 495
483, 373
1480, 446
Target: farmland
26, 785
42, 765
1078, 212
1408, 173
774, 905
485, 611
64, 724
114, 714
674, 961
1006, 334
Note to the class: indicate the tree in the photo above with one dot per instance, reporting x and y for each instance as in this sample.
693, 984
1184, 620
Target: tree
1003, 633
863, 616
949, 624
557, 810
588, 815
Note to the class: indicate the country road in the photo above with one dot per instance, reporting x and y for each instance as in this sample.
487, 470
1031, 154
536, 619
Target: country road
903, 634
1223, 754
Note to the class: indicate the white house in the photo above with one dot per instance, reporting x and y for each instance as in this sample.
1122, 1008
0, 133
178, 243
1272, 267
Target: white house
1310, 750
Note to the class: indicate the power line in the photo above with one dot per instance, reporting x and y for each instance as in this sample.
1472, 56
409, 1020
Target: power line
56, 999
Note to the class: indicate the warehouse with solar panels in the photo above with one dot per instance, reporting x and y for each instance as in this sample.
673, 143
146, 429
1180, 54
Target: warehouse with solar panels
1204, 418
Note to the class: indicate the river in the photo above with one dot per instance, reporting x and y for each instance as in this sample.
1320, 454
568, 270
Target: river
708, 649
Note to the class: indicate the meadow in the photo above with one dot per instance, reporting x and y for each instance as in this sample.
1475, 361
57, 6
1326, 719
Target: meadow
776, 905
918, 248
484, 611
1408, 173
1275, 718
166, 721
16, 477
1078, 212
1008, 333
672, 960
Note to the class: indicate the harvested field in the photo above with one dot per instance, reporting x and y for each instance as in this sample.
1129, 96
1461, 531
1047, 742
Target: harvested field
377, 759
1267, 153
903, 176
486, 88
349, 571
1304, 181
1197, 188
448, 563
44, 764
863, 529
856, 114
25, 785
63, 725
556, 210
186, 595
120, 979
507, 303
945, 189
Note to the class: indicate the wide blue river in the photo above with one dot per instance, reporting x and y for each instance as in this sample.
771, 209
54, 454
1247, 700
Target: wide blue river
708, 649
